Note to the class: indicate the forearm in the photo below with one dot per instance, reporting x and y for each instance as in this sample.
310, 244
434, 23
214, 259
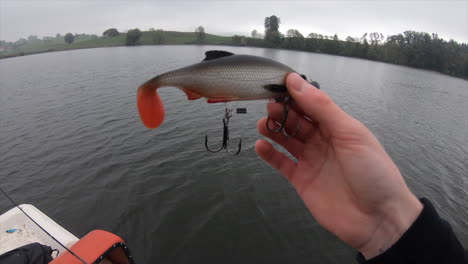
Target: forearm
430, 239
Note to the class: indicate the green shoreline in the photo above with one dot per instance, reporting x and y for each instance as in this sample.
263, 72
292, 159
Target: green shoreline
449, 58
147, 38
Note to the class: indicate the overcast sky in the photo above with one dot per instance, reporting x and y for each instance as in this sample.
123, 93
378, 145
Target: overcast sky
21, 18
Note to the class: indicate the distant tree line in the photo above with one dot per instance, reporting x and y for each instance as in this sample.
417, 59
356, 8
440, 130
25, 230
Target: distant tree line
411, 48
68, 38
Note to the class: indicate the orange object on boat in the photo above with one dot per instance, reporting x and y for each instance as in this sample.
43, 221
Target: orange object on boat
97, 246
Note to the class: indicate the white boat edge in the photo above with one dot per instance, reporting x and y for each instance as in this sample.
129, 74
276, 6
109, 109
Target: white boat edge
28, 232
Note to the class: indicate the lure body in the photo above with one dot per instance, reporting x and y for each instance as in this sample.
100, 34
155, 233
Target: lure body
220, 77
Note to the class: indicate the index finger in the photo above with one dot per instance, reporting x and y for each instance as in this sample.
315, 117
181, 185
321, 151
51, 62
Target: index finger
315, 104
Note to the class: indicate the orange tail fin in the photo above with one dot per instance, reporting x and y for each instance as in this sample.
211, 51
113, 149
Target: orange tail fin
150, 106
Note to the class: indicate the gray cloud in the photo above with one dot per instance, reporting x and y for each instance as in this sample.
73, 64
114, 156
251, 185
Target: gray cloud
46, 18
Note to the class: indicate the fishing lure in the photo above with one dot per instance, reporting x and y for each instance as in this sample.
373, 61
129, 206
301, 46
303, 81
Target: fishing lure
221, 77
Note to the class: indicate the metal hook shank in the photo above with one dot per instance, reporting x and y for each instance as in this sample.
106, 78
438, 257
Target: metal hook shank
227, 115
282, 124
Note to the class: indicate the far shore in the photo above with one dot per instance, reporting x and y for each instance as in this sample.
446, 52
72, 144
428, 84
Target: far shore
450, 58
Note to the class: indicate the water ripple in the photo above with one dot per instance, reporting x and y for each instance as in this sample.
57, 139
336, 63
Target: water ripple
72, 144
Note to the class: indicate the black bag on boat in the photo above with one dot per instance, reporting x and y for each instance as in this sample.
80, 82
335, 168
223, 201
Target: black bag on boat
34, 253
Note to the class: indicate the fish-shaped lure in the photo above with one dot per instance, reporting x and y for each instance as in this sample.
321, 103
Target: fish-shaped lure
221, 77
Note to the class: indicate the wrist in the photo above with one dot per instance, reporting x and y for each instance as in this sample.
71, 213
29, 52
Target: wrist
396, 219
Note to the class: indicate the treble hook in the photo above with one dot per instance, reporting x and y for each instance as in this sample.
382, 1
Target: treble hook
227, 115
282, 124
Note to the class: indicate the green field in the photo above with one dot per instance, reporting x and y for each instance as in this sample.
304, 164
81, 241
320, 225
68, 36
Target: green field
87, 41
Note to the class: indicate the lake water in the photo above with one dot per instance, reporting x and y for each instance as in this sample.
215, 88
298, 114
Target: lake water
72, 144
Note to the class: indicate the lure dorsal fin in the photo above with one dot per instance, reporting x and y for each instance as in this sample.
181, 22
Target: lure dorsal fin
216, 54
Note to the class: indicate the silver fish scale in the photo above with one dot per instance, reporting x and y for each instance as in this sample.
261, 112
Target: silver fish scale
237, 77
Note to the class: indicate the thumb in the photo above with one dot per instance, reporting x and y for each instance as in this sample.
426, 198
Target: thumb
315, 104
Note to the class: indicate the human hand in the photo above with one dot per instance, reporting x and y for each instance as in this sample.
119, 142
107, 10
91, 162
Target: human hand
342, 173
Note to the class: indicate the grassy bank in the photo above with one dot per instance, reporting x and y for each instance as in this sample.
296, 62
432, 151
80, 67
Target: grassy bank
84, 42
